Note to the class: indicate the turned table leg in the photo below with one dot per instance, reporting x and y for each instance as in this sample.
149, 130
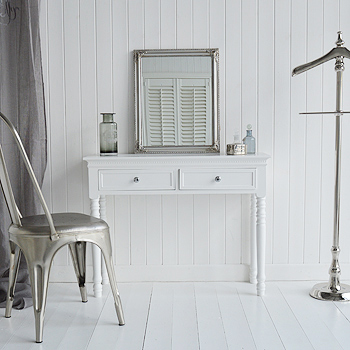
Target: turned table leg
96, 252
261, 243
253, 244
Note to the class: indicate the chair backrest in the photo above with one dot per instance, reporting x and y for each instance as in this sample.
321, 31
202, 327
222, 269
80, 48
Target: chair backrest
6, 185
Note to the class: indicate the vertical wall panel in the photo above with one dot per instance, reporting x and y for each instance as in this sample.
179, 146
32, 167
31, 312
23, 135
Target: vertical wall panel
234, 234
138, 233
104, 56
185, 229
168, 24
154, 230
56, 113
73, 105
245, 229
121, 64
249, 63
217, 229
184, 24
169, 230
217, 39
135, 42
201, 229
89, 113
152, 24
345, 186
232, 68
297, 134
344, 25
313, 133
282, 131
122, 230
200, 21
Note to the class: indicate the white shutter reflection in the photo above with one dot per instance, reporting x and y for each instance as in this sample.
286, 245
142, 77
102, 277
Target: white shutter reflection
177, 111
160, 112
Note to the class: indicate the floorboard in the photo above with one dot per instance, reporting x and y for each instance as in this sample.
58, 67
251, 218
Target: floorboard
263, 329
308, 312
288, 327
237, 331
136, 300
184, 316
185, 322
158, 333
210, 326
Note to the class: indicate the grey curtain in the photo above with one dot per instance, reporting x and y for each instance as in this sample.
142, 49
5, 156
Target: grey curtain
22, 101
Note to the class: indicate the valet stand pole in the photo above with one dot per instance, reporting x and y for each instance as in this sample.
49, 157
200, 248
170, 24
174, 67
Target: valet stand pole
334, 290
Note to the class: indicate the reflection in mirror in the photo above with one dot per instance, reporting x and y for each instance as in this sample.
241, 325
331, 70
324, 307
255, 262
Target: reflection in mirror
176, 100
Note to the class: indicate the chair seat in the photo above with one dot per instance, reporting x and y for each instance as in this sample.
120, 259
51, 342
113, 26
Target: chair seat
65, 224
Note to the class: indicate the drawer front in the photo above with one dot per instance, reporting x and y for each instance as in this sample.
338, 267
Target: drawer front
135, 180
220, 179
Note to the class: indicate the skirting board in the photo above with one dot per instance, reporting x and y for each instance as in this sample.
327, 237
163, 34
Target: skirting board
210, 273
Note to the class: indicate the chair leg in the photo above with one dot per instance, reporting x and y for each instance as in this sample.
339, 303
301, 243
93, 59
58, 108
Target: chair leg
78, 253
15, 256
39, 278
107, 254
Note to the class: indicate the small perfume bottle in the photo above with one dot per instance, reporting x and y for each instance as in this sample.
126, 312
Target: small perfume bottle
108, 136
236, 148
249, 140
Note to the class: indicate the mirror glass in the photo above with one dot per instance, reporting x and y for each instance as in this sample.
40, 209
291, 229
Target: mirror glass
176, 101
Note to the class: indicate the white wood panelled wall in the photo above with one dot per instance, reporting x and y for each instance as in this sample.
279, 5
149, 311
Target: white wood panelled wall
87, 61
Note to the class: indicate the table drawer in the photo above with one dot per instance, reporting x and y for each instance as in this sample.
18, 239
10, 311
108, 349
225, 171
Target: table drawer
220, 179
136, 180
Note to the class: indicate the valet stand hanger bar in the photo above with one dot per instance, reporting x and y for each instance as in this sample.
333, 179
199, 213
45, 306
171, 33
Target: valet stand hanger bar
333, 290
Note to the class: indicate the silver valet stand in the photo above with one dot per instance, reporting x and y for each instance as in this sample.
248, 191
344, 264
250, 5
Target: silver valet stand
333, 290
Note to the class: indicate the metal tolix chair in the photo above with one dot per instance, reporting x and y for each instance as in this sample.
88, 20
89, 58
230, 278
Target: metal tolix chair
39, 237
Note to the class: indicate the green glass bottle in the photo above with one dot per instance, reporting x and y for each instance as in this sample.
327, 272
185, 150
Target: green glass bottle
108, 135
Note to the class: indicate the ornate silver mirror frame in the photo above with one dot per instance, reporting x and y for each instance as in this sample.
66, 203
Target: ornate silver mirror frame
157, 121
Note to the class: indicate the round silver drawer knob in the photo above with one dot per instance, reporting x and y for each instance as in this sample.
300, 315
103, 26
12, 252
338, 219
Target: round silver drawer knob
136, 179
217, 178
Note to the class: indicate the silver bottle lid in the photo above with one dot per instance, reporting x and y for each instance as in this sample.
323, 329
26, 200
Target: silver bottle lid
107, 117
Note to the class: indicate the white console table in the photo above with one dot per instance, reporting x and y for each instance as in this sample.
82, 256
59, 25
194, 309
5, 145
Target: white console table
130, 174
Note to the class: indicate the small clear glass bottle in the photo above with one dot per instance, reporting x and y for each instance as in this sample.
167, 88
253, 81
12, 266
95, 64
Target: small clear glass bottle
108, 135
249, 140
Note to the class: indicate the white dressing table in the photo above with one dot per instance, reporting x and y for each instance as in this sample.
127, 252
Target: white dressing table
130, 174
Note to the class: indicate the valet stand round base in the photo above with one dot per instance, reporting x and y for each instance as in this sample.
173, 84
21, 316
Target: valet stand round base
321, 291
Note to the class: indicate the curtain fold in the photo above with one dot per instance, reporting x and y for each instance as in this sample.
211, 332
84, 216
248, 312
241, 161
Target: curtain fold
22, 101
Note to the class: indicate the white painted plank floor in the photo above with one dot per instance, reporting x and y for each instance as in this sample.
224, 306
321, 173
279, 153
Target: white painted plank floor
184, 316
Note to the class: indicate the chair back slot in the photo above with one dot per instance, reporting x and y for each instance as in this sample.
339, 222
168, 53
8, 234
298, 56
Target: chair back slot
14, 212
7, 190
